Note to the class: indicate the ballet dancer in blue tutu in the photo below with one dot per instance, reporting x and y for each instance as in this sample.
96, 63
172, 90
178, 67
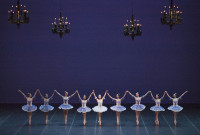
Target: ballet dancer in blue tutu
118, 107
175, 107
65, 106
46, 107
100, 108
157, 108
138, 107
84, 109
29, 107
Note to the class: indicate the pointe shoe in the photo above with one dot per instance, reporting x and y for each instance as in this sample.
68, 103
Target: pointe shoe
46, 122
175, 122
99, 123
137, 122
29, 123
84, 122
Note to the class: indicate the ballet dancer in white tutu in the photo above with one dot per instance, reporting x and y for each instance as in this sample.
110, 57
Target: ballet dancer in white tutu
84, 109
138, 107
100, 108
65, 106
157, 108
118, 107
29, 107
46, 107
175, 107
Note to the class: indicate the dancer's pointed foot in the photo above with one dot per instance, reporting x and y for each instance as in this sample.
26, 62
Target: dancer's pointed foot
175, 122
137, 122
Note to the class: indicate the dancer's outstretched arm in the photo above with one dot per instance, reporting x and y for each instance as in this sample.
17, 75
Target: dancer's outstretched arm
90, 95
111, 97
22, 93
168, 95
124, 95
146, 94
152, 96
131, 94
183, 94
95, 95
79, 95
105, 94
58, 93
163, 95
35, 93
40, 94
52, 95
73, 94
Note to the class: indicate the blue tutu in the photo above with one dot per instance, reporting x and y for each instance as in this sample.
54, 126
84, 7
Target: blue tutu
157, 108
139, 107
46, 108
175, 108
65, 106
83, 109
28, 108
118, 108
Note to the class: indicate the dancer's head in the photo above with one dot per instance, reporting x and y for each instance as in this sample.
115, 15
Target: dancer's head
66, 93
137, 94
29, 95
84, 97
174, 95
46, 95
99, 96
117, 96
157, 96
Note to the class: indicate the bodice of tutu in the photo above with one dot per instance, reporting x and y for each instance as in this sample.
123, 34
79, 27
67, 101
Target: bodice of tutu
84, 102
157, 101
138, 100
65, 100
175, 101
46, 101
29, 101
118, 102
100, 102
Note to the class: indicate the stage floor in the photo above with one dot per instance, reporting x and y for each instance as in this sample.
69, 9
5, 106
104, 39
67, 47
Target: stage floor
14, 121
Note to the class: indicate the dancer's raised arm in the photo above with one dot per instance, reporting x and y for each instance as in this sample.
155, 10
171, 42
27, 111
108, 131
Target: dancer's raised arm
168, 95
183, 94
95, 95
105, 94
35, 93
146, 94
152, 96
40, 94
131, 94
90, 95
52, 95
73, 94
22, 93
111, 97
79, 95
58, 93
124, 95
163, 95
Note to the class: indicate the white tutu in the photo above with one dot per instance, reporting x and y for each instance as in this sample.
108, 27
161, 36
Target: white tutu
100, 109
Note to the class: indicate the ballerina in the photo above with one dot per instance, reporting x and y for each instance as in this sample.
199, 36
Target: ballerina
100, 108
84, 109
29, 107
175, 107
46, 107
118, 107
138, 107
157, 108
65, 106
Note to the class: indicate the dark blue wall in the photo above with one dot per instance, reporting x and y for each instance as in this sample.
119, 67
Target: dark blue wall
96, 55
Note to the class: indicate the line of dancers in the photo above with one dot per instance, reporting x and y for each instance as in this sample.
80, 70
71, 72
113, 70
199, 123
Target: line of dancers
118, 108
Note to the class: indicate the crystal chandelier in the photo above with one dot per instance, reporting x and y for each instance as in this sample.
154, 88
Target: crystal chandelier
132, 28
60, 25
18, 14
172, 17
